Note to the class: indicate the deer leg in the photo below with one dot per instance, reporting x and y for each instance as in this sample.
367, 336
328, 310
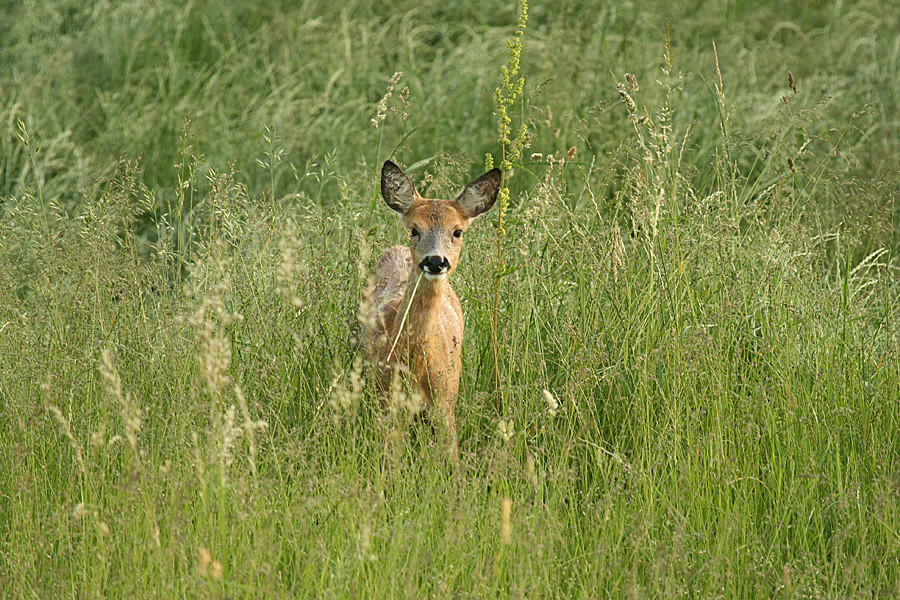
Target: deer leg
447, 417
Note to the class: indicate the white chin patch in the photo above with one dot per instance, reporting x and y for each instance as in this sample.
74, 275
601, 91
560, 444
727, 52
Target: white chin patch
435, 276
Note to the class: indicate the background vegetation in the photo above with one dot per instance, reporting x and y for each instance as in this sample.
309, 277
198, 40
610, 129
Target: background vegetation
696, 383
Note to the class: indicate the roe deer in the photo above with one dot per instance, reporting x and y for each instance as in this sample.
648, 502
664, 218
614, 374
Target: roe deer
418, 329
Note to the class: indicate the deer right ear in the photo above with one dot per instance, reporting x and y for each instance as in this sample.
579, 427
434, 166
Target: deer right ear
480, 195
397, 188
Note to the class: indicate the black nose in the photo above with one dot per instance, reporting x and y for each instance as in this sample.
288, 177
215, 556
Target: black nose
434, 264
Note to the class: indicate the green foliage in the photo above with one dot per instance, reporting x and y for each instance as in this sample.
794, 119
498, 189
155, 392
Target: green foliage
697, 336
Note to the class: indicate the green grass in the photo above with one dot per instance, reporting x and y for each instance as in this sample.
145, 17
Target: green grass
708, 287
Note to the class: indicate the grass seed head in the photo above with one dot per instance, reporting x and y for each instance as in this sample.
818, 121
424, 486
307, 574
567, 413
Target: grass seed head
226, 442
382, 107
506, 522
80, 511
531, 470
347, 391
632, 82
628, 100
204, 558
552, 404
98, 438
67, 431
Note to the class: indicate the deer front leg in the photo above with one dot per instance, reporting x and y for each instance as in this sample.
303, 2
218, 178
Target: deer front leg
447, 418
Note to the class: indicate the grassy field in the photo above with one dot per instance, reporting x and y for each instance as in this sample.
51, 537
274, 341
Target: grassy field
693, 385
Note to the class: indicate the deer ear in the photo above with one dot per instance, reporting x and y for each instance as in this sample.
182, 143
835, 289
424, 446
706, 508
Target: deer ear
480, 195
397, 188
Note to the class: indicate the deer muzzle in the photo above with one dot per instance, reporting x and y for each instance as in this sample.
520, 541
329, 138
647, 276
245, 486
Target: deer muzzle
435, 267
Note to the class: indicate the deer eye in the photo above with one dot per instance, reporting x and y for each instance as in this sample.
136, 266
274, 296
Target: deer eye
457, 233
414, 232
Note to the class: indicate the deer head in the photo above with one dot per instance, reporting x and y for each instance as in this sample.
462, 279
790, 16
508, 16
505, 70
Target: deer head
436, 227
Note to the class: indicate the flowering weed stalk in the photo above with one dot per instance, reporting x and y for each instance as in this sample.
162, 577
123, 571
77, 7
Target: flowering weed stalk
505, 97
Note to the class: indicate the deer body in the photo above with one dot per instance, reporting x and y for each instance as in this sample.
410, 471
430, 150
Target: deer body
418, 330
426, 346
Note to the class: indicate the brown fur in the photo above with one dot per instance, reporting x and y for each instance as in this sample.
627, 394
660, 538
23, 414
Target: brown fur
425, 349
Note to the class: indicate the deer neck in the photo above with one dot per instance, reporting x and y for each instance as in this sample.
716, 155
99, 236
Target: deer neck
423, 302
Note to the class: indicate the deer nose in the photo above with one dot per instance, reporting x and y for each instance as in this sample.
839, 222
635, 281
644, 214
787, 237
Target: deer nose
434, 264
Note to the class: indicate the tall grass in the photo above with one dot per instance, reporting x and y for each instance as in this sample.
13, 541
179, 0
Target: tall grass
696, 335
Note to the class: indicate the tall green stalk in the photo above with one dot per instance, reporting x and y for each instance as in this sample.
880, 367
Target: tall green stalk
505, 97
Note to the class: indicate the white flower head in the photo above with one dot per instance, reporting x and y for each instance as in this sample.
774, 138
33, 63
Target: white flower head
552, 404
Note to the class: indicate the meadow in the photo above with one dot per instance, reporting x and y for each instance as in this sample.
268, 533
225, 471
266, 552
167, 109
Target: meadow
681, 369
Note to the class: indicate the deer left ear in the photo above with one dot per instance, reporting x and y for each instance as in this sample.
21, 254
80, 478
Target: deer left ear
397, 188
480, 195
